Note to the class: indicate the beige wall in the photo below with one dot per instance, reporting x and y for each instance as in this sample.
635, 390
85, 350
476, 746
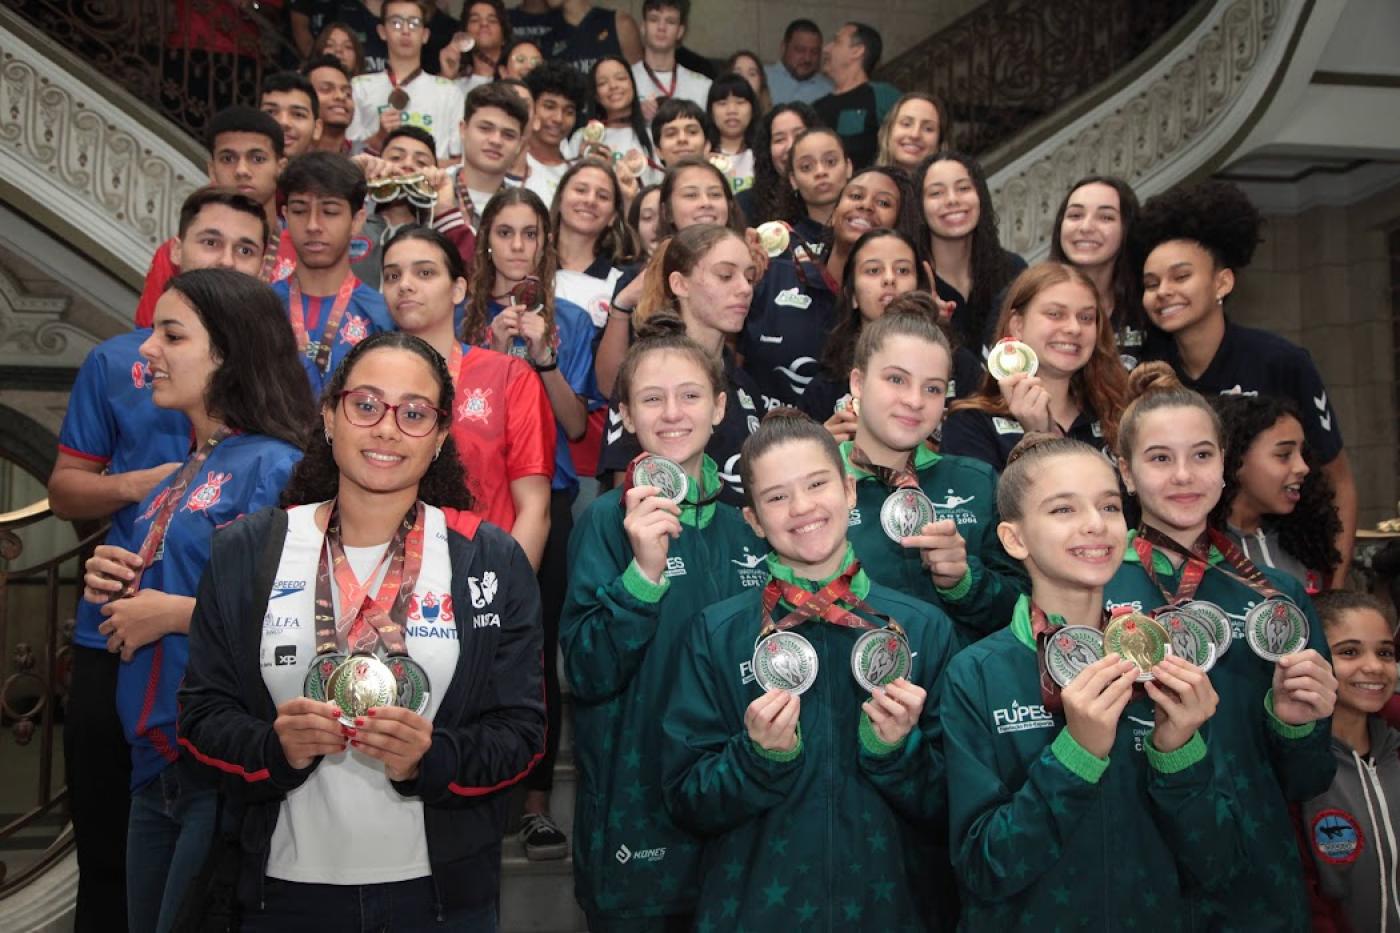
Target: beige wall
1322, 279
719, 27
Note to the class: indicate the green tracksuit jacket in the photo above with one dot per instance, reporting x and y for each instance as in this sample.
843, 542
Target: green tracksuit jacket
1269, 763
620, 634
1045, 836
842, 832
966, 490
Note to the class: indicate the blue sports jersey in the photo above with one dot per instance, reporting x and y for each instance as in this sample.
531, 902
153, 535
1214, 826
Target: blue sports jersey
111, 420
785, 334
576, 365
366, 314
244, 473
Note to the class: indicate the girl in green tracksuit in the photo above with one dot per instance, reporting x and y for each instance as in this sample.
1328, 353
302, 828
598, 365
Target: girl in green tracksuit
899, 384
641, 566
823, 809
1270, 734
1091, 807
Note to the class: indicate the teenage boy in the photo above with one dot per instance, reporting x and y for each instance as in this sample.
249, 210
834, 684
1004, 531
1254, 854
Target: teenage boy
410, 151
289, 98
331, 81
403, 94
856, 106
492, 130
679, 129
115, 446
586, 33
658, 75
535, 21
246, 153
330, 310
797, 75
559, 99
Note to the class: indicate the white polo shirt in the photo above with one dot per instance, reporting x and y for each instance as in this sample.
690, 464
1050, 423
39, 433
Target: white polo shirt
434, 104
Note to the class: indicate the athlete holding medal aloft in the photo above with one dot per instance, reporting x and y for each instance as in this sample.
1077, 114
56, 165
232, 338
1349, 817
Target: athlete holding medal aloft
1275, 683
1074, 802
802, 733
393, 685
924, 523
644, 557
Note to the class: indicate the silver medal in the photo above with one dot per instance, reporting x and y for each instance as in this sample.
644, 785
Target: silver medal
1010, 357
666, 475
1217, 620
785, 661
880, 656
1071, 649
1276, 627
905, 512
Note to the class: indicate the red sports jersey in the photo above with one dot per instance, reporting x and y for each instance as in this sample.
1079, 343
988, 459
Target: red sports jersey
277, 265
503, 427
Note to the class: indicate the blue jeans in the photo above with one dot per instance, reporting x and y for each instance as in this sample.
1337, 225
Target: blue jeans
396, 907
167, 842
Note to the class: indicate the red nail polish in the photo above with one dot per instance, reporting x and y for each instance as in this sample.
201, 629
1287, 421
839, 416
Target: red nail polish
372, 711
354, 743
359, 721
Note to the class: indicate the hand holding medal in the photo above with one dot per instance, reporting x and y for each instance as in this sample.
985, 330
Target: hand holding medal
943, 551
1184, 698
1305, 689
1094, 702
894, 709
771, 720
653, 514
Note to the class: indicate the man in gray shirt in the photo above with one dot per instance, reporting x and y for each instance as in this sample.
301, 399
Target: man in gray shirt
798, 75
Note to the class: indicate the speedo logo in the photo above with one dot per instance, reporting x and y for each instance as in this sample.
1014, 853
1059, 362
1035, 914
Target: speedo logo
625, 855
1019, 717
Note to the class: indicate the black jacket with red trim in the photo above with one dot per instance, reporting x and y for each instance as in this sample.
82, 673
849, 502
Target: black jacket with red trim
489, 730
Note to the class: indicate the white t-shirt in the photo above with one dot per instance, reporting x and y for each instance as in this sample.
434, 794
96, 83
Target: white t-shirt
690, 85
346, 824
590, 294
544, 179
740, 170
617, 138
434, 104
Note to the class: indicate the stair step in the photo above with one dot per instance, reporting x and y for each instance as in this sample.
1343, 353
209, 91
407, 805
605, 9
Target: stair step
537, 897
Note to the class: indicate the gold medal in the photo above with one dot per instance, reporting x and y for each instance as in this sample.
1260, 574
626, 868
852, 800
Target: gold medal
1137, 638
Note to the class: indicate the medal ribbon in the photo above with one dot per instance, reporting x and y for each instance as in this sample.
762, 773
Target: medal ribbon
394, 82
1193, 571
174, 494
904, 478
320, 352
367, 621
675, 76
1043, 629
823, 604
1235, 565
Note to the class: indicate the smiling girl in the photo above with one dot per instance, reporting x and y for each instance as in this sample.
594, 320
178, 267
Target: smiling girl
913, 130
590, 237
221, 354
349, 801
1275, 685
777, 130
642, 562
795, 769
1349, 829
950, 557
614, 103
959, 231
1275, 506
733, 109
1078, 388
1097, 233
1051, 791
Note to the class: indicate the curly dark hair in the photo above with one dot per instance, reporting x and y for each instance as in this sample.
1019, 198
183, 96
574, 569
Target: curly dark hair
260, 386
1215, 214
790, 206
770, 180
1310, 531
316, 478
992, 268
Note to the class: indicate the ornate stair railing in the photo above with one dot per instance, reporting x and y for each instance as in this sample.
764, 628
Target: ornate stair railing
1010, 63
33, 688
1182, 116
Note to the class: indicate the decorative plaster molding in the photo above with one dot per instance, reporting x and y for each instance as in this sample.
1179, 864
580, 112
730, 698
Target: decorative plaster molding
31, 326
69, 151
1178, 117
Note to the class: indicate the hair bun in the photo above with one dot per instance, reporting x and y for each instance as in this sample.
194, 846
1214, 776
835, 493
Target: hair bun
1030, 442
1151, 377
663, 322
786, 413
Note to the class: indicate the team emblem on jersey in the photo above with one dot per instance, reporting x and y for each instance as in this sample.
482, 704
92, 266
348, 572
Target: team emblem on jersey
355, 329
155, 505
1337, 837
475, 405
431, 608
206, 494
141, 374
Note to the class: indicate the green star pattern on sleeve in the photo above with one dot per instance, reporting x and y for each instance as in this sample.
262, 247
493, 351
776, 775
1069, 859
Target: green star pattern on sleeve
775, 893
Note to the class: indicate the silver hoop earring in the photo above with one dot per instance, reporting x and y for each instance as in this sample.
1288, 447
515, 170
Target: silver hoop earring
437, 453
329, 442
